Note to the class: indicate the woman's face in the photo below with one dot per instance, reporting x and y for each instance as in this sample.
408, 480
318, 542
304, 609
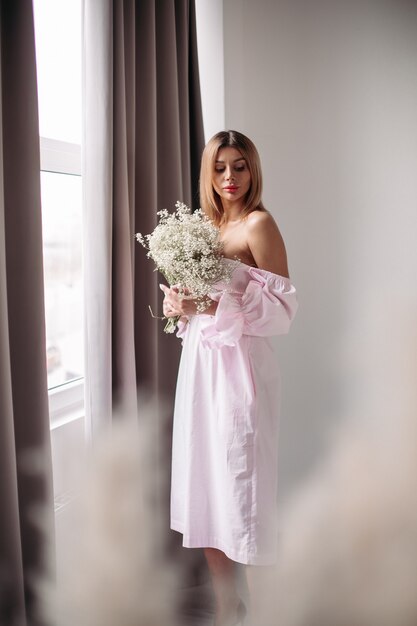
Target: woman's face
231, 176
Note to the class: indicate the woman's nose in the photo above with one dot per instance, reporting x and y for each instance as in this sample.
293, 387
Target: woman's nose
229, 175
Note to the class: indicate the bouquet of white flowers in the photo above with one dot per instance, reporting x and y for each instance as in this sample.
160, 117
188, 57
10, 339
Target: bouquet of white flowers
186, 249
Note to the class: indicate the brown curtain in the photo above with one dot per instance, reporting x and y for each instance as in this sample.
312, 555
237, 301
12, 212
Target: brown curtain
142, 142
24, 421
168, 144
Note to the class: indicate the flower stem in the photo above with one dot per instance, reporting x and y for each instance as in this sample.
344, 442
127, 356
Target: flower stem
171, 324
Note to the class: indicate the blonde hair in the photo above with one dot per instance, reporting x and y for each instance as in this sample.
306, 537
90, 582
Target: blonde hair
210, 200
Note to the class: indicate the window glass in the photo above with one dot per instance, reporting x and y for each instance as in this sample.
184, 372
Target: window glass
58, 57
58, 64
62, 245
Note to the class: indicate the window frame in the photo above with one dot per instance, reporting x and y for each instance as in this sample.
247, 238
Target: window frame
60, 157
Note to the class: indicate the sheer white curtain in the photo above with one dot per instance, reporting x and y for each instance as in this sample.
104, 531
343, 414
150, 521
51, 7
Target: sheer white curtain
97, 173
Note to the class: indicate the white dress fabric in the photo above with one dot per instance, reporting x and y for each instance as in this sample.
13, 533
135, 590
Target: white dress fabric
225, 437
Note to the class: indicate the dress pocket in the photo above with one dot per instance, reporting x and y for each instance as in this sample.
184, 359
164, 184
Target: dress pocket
240, 456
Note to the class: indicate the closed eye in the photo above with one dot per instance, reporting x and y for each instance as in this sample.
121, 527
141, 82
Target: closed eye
237, 168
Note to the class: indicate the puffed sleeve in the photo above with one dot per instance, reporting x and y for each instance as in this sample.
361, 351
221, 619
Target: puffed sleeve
266, 307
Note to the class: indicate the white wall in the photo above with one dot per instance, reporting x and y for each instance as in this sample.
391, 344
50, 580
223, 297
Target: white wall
209, 16
328, 92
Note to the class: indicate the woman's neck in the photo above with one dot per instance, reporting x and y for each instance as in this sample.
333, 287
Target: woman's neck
232, 213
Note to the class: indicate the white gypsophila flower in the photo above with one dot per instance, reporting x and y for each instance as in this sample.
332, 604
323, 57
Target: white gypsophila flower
186, 249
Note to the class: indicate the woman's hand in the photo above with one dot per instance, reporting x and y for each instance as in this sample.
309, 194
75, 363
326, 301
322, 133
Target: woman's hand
178, 304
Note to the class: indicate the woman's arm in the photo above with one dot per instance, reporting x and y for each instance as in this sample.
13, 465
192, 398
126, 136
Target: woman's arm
266, 243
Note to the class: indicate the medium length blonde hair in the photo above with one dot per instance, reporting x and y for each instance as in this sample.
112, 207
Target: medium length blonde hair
210, 200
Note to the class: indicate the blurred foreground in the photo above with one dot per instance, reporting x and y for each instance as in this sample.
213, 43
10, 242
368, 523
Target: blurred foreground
348, 549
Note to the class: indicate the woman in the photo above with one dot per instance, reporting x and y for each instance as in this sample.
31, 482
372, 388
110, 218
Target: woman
224, 465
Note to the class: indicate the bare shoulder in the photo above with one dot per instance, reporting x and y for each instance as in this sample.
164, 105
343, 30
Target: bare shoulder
261, 223
266, 243
258, 218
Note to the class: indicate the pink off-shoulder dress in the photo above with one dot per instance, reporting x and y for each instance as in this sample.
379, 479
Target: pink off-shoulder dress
225, 437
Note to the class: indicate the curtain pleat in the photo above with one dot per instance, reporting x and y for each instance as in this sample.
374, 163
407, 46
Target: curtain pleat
123, 347
25, 456
146, 201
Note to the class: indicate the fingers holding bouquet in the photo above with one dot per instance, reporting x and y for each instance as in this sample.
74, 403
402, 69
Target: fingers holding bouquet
178, 302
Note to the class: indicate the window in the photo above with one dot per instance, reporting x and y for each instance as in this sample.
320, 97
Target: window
62, 247
58, 58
